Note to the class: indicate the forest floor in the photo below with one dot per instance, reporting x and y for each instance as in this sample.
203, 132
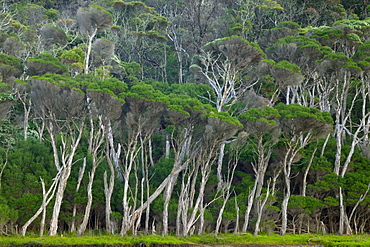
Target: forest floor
223, 240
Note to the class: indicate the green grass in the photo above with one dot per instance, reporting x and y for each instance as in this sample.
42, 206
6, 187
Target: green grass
222, 239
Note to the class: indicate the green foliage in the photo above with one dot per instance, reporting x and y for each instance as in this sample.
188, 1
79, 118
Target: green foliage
326, 33
7, 133
289, 24
11, 61
6, 213
74, 55
354, 24
298, 111
45, 63
6, 97
220, 41
307, 203
224, 116
52, 14
132, 71
287, 65
265, 114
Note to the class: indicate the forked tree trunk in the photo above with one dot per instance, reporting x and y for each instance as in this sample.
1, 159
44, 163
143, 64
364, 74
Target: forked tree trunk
96, 140
45, 201
67, 163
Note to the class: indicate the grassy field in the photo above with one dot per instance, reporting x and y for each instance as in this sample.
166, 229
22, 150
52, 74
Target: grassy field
223, 239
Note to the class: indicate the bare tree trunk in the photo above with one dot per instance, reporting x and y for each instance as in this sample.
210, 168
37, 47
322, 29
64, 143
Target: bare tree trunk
95, 142
219, 164
260, 210
167, 197
45, 202
226, 185
183, 157
237, 210
65, 172
296, 143
168, 146
4, 165
110, 154
79, 180
219, 218
26, 112
284, 204
249, 206
88, 53
305, 174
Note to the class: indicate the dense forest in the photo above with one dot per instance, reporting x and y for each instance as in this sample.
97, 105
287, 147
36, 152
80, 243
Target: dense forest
184, 117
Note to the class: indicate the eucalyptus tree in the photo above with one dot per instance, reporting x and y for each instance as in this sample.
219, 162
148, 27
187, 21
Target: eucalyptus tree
300, 126
226, 65
63, 112
140, 120
340, 71
140, 36
102, 108
107, 108
91, 21
262, 126
252, 18
297, 56
192, 201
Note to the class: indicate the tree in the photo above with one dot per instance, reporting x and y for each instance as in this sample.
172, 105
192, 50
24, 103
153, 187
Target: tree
140, 119
225, 66
300, 126
62, 110
51, 36
140, 36
262, 126
108, 110
90, 22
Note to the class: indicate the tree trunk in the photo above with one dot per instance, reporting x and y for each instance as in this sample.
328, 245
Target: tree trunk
79, 180
65, 172
45, 202
110, 154
305, 174
260, 210
88, 53
251, 197
167, 198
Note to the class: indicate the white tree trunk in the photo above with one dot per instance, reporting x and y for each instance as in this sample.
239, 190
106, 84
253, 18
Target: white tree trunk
45, 201
88, 53
79, 180
67, 161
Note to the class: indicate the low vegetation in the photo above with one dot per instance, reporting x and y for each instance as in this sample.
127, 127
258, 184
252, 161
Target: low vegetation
222, 239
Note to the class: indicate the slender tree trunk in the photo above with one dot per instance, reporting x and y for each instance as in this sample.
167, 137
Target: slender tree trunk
260, 210
249, 206
111, 154
96, 140
237, 210
82, 228
46, 200
167, 198
88, 53
305, 174
79, 180
65, 172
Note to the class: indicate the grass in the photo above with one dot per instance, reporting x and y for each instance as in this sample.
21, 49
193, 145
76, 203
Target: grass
222, 239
